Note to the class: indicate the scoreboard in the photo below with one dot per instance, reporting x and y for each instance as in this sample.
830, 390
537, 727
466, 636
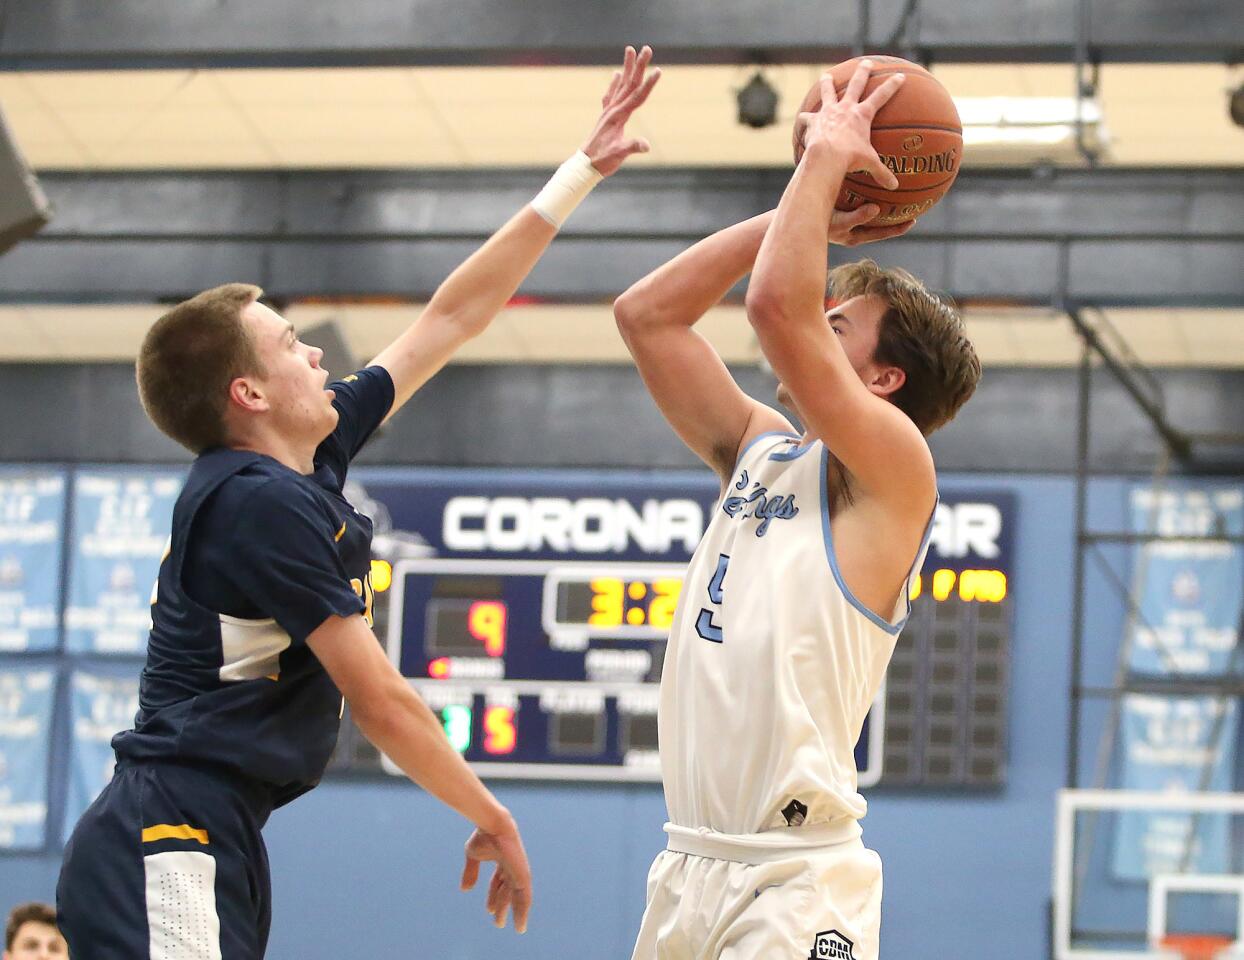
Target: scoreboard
540, 668
535, 618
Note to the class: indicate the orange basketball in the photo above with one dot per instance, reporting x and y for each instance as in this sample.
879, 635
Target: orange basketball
917, 135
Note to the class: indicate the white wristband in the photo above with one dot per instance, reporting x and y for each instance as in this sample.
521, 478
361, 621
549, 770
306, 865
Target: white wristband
566, 189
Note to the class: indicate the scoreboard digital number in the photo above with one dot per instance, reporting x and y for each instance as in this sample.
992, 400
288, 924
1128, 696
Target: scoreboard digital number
545, 669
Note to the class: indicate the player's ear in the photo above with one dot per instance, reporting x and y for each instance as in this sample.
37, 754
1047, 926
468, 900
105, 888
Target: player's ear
244, 393
887, 381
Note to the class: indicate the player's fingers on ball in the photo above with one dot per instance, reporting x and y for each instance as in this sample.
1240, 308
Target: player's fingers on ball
801, 125
883, 175
894, 230
858, 81
862, 214
829, 94
885, 90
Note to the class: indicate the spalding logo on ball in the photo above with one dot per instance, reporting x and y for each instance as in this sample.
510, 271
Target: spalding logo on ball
917, 134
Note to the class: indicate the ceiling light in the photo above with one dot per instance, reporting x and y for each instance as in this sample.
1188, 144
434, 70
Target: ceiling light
757, 102
1047, 124
1237, 106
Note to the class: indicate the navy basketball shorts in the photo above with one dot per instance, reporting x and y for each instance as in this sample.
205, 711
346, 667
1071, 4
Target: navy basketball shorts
167, 863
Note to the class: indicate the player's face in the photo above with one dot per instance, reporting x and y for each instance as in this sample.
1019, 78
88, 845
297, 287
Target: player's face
294, 385
37, 941
857, 325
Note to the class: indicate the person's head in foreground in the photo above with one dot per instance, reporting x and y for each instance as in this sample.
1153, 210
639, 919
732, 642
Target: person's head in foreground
223, 370
905, 343
31, 934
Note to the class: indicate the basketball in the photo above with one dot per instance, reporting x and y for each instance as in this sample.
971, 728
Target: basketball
917, 135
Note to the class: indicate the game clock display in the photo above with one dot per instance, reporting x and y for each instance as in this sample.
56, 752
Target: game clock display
538, 668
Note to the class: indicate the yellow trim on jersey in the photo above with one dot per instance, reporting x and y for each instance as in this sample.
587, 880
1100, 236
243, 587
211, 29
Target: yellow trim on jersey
167, 831
340, 533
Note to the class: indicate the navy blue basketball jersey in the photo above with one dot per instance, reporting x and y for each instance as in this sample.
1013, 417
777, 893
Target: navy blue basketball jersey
259, 557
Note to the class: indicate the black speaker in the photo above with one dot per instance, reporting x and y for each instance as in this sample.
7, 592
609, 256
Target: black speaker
24, 209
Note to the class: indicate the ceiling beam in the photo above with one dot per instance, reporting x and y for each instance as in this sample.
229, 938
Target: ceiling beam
1106, 237
129, 34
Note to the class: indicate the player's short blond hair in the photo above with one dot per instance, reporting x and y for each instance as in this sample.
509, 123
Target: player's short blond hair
188, 359
921, 334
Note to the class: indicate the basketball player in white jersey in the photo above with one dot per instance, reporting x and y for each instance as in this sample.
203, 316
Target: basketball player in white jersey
795, 597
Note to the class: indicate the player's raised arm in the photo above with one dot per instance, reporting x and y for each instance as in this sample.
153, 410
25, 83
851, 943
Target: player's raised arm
847, 408
475, 292
682, 371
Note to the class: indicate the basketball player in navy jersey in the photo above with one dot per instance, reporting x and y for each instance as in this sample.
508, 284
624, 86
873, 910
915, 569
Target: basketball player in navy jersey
794, 599
262, 611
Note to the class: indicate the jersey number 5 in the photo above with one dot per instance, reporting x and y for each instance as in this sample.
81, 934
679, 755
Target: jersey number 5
704, 625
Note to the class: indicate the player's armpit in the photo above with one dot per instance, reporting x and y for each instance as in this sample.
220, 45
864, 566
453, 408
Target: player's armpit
694, 390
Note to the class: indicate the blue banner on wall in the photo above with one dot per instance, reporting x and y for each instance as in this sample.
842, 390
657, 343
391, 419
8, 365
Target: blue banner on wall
26, 700
1190, 591
32, 510
1175, 744
100, 706
121, 523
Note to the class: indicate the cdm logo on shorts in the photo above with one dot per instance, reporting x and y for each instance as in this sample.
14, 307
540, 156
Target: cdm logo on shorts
831, 945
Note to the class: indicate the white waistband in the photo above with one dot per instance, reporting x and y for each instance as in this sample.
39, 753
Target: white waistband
764, 847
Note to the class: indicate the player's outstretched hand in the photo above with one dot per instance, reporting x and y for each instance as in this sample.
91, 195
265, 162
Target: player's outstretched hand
608, 145
846, 227
510, 887
845, 123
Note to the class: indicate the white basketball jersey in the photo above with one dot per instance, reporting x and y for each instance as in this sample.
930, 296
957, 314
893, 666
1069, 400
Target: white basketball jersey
772, 664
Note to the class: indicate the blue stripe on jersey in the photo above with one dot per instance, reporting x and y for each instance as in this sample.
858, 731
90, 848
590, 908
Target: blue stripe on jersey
756, 439
891, 628
794, 453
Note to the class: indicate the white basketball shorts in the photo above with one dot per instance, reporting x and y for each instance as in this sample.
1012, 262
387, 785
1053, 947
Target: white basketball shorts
732, 901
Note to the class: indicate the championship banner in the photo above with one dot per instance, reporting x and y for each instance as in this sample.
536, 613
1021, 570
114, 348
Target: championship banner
1175, 744
100, 706
121, 523
32, 510
1190, 591
26, 700
1189, 594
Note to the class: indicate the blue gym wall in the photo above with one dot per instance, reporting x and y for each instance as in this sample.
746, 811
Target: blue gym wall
371, 869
